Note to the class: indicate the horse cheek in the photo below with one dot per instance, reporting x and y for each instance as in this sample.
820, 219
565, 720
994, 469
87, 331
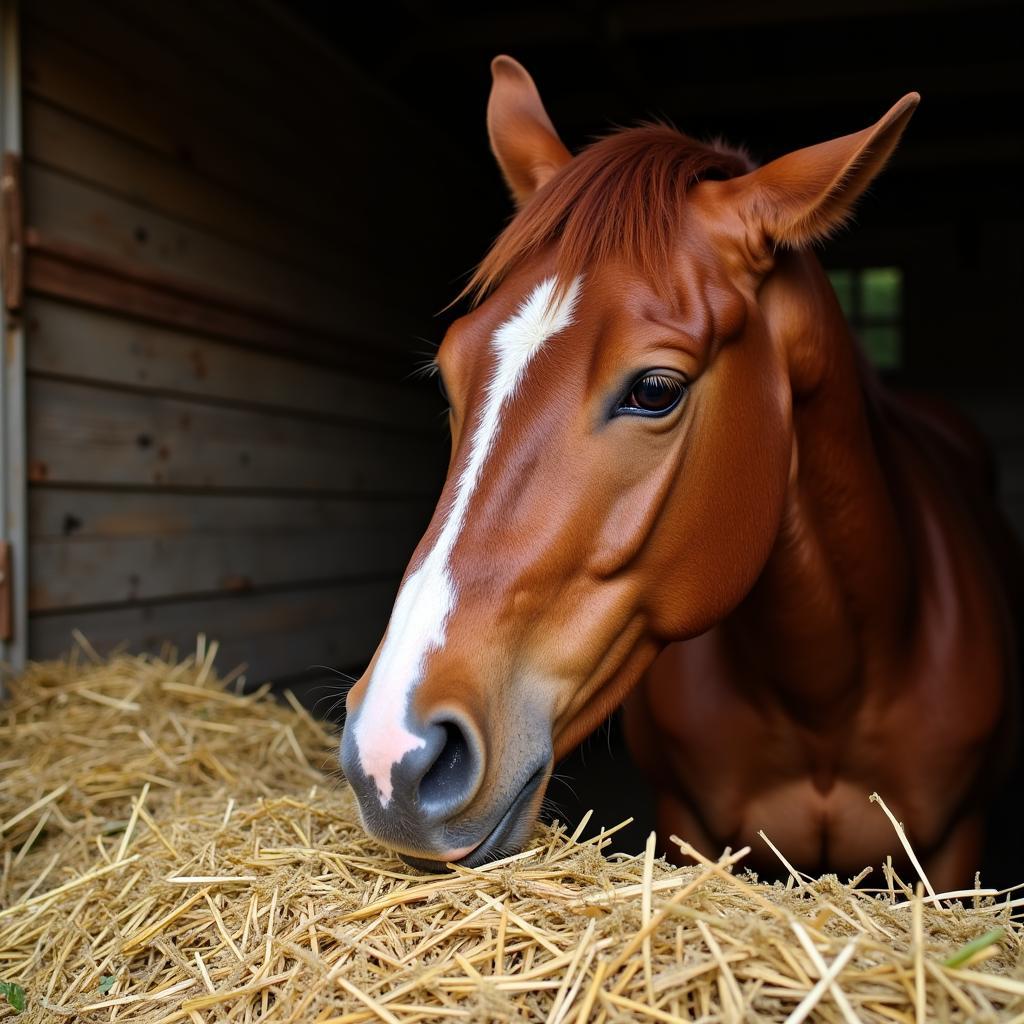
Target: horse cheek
718, 527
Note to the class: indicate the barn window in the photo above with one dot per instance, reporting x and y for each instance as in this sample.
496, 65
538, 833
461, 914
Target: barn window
872, 300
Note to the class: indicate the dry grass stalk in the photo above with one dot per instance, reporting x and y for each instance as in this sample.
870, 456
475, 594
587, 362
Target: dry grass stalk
174, 852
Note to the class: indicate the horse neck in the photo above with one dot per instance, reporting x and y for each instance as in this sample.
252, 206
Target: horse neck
833, 599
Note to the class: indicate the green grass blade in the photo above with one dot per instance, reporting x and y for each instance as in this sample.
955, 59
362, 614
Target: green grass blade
14, 994
965, 953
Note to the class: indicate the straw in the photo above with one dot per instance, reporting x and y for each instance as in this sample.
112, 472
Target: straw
173, 851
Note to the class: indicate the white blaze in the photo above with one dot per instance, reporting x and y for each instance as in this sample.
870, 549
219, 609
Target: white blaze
428, 596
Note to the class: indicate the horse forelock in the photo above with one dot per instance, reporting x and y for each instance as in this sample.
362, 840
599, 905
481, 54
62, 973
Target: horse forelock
621, 197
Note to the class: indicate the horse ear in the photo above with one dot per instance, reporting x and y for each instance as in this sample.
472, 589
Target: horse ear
806, 195
523, 138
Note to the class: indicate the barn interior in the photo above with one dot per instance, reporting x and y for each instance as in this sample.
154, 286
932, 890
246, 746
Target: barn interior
243, 224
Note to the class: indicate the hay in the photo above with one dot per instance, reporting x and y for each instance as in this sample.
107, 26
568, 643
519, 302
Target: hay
174, 852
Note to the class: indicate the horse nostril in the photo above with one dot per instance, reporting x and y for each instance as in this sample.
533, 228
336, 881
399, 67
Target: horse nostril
449, 780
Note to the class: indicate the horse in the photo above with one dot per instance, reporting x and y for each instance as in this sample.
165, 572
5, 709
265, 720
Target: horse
676, 486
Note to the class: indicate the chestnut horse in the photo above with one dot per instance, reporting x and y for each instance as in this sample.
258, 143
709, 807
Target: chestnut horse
672, 473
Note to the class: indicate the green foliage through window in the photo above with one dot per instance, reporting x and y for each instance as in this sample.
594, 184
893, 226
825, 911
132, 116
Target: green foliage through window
872, 301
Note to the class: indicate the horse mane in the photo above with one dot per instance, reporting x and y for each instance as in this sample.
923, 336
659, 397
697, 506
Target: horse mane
623, 196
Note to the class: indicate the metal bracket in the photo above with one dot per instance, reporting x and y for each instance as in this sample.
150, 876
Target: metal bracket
12, 233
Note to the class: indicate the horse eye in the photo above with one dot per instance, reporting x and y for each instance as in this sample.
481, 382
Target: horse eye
654, 394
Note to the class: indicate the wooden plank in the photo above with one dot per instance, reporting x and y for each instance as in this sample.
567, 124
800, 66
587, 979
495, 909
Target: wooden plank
91, 435
68, 76
61, 208
355, 157
81, 572
276, 69
65, 143
98, 547
160, 75
276, 634
101, 547
68, 271
373, 160
56, 512
71, 342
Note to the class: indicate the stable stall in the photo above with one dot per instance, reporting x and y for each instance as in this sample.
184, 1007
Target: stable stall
222, 248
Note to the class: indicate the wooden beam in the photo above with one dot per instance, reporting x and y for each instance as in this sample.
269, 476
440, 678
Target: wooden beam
660, 17
84, 572
75, 273
87, 435
275, 633
503, 31
71, 343
746, 96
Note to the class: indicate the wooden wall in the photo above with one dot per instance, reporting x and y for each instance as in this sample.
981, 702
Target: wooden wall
234, 247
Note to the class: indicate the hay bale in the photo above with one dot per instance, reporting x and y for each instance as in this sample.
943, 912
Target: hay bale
174, 852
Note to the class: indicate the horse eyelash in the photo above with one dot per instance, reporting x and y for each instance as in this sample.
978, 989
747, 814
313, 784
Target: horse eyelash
661, 378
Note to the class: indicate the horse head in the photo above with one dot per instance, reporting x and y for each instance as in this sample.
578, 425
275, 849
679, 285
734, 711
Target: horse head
621, 396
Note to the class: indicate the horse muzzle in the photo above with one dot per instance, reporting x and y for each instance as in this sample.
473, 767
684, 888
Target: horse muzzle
442, 808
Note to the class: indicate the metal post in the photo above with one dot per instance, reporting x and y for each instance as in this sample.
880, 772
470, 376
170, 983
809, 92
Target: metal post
13, 476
